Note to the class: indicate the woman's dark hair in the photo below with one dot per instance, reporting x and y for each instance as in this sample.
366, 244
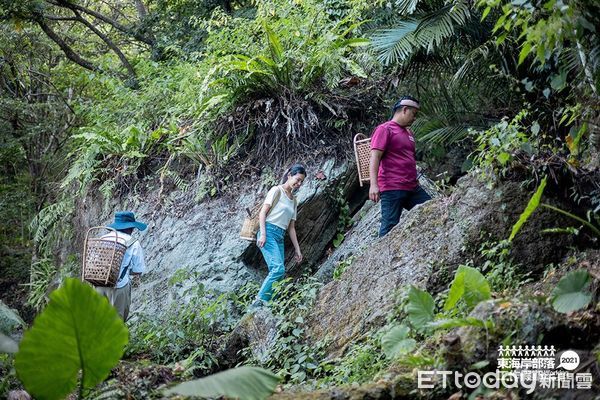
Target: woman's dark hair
293, 170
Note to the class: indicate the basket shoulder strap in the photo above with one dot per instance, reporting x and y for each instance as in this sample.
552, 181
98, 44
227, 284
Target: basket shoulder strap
275, 200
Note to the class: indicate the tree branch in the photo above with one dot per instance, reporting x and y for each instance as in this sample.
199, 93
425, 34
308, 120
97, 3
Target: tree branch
141, 9
108, 42
59, 18
71, 55
102, 17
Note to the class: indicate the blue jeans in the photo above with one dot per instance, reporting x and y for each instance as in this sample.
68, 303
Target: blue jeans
392, 203
273, 253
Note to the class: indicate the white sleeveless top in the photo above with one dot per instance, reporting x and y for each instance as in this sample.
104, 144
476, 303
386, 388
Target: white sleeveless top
283, 212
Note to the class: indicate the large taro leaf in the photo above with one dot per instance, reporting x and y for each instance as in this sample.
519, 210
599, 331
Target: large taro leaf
396, 342
420, 307
248, 383
78, 331
571, 293
470, 285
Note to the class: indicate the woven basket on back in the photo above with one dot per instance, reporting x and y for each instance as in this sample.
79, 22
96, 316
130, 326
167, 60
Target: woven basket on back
249, 228
362, 152
102, 258
251, 223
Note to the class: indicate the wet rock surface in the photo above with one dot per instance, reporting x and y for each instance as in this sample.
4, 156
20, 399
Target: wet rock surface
11, 323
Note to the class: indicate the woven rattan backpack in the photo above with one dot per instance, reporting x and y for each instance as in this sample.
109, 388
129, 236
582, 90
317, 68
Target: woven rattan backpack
362, 152
102, 257
251, 223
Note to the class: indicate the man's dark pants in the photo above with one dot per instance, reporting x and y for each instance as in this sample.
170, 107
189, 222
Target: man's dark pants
392, 203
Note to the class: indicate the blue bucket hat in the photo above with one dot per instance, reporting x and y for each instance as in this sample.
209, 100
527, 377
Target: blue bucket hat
125, 220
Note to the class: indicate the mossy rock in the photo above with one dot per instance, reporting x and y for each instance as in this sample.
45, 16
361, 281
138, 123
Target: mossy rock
10, 321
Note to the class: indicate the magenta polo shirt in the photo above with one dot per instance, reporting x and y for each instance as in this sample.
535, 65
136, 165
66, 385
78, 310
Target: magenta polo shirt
398, 168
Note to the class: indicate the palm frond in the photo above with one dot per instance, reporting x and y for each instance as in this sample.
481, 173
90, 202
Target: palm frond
446, 134
422, 32
406, 7
472, 63
395, 44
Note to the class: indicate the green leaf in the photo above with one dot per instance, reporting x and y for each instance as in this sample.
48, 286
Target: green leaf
459, 322
78, 331
274, 44
524, 52
558, 81
470, 285
338, 240
420, 307
533, 204
396, 342
356, 42
503, 158
249, 383
485, 13
571, 293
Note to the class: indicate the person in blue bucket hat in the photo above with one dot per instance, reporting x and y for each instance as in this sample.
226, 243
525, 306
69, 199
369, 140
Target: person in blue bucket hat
132, 264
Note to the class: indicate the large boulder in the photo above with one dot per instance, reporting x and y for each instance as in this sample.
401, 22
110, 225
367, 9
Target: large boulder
11, 323
256, 331
363, 233
430, 242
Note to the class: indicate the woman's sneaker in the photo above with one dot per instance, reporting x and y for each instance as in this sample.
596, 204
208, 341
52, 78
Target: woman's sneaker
258, 303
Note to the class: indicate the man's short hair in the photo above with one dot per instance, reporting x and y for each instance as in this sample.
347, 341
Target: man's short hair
405, 101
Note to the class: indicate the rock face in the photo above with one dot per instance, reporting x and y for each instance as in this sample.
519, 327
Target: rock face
257, 331
202, 240
10, 322
424, 250
363, 233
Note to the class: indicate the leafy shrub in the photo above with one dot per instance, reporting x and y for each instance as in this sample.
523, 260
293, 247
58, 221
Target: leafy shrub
500, 270
469, 287
291, 356
186, 330
572, 292
360, 364
500, 145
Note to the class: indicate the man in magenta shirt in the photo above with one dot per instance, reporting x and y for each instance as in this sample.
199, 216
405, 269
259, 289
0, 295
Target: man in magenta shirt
392, 166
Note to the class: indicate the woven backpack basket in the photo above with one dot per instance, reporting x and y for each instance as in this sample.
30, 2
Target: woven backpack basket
102, 258
362, 152
251, 223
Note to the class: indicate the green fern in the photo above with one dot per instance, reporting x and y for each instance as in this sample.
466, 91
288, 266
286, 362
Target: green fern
49, 224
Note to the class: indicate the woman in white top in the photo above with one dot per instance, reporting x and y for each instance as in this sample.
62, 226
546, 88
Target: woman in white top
274, 221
